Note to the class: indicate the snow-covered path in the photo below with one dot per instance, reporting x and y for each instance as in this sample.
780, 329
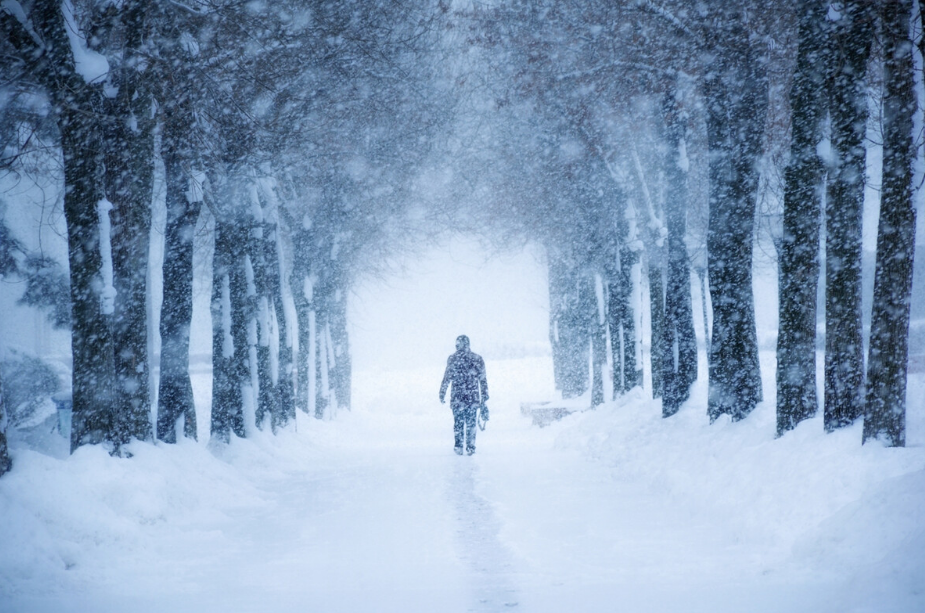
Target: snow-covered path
372, 511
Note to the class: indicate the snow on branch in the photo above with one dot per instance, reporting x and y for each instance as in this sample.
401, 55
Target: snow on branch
89, 64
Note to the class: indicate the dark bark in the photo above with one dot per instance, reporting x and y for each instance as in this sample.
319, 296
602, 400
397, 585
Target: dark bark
736, 98
129, 185
175, 392
91, 329
260, 308
799, 251
5, 462
844, 351
227, 373
622, 324
179, 96
75, 110
678, 342
241, 362
885, 417
657, 312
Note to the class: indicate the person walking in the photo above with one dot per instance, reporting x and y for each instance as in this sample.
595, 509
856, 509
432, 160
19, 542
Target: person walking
466, 371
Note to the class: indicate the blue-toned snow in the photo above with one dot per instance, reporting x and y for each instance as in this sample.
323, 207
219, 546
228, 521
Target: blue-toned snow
614, 509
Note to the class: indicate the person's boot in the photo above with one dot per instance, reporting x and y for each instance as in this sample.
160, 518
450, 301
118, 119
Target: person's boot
470, 451
458, 450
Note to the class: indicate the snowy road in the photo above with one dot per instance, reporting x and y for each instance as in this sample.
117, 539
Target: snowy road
373, 511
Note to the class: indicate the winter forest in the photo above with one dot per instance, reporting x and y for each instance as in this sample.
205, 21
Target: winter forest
238, 240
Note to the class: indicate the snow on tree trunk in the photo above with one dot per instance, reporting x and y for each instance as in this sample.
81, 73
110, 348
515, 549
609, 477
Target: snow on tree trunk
885, 417
654, 238
302, 294
799, 250
339, 347
701, 275
175, 391
736, 100
844, 352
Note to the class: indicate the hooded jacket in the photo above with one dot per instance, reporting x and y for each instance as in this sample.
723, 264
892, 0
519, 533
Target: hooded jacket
466, 371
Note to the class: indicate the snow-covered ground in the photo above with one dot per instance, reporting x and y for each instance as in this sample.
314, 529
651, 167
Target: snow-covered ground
612, 509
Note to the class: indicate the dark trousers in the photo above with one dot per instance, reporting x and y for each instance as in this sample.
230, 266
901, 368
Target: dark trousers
464, 426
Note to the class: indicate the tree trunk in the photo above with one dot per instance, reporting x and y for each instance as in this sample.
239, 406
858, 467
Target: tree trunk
340, 346
227, 373
575, 323
73, 103
285, 401
266, 390
5, 462
844, 351
175, 392
557, 283
632, 375
304, 370
598, 345
614, 315
322, 366
91, 325
678, 341
799, 252
657, 311
885, 418
701, 274
241, 363
129, 169
736, 97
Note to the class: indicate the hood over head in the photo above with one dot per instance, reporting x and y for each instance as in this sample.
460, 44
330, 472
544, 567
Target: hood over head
462, 343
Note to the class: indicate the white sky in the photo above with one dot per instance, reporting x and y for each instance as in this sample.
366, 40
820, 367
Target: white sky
412, 319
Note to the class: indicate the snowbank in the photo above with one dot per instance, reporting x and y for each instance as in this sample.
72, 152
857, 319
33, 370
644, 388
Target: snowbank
373, 511
818, 502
